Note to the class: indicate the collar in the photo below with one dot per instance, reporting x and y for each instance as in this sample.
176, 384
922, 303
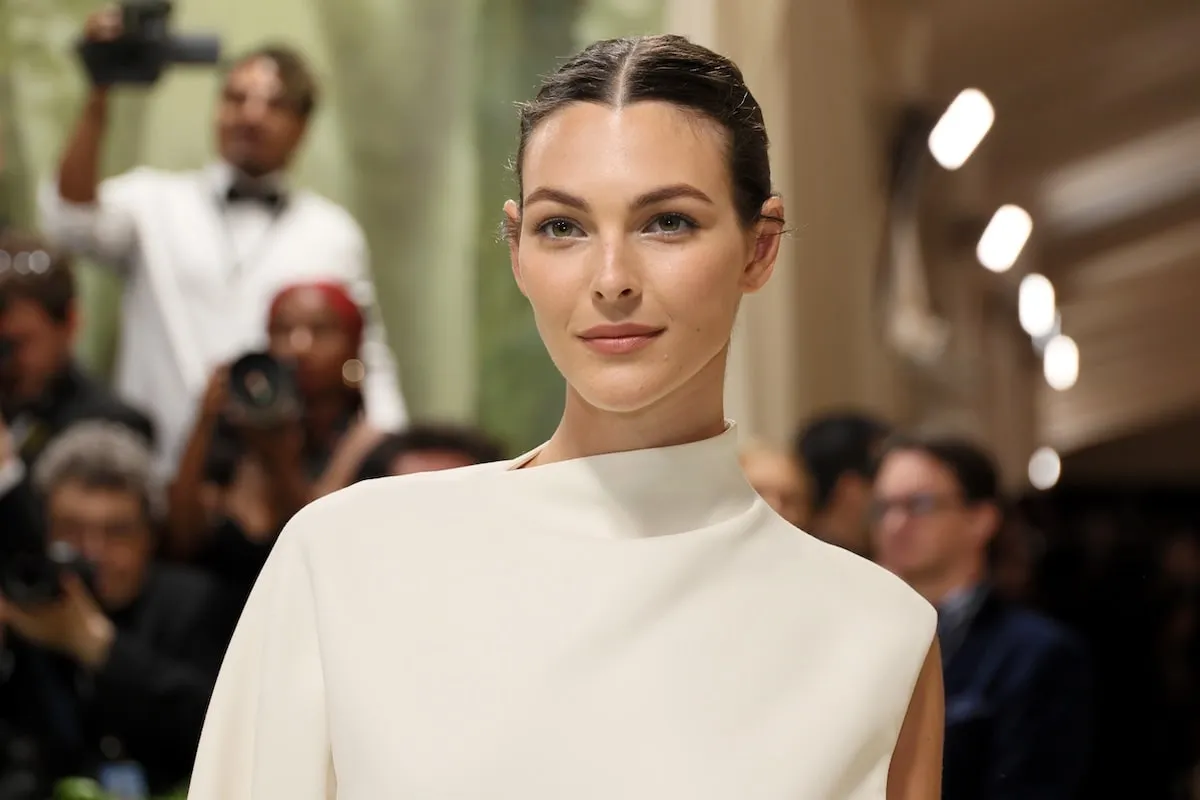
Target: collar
221, 177
959, 599
641, 493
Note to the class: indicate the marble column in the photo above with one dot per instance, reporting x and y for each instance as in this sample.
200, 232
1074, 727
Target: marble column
403, 79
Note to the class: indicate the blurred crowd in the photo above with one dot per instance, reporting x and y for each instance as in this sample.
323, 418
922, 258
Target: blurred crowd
253, 377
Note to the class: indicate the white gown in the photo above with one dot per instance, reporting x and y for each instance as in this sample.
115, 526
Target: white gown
632, 626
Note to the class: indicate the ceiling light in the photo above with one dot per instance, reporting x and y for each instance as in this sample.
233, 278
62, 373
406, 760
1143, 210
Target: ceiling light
1045, 468
1004, 238
1036, 305
1060, 362
962, 127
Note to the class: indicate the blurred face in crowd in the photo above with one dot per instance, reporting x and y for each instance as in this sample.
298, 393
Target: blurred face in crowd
778, 480
430, 461
258, 124
629, 248
306, 330
39, 348
108, 526
923, 530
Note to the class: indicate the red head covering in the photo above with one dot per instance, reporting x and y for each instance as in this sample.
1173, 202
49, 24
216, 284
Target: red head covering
339, 299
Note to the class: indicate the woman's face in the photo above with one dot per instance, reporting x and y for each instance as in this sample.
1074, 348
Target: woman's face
307, 331
631, 252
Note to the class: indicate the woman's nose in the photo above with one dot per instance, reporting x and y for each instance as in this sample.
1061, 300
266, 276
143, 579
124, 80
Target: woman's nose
617, 275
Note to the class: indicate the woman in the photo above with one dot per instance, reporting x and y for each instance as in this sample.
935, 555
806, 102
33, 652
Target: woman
617, 614
238, 483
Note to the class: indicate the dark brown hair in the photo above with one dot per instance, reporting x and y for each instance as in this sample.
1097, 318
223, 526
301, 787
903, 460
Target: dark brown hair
838, 443
30, 269
973, 467
300, 88
474, 444
668, 69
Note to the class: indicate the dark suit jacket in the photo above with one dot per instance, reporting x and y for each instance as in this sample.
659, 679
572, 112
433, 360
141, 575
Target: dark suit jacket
146, 703
21, 518
74, 397
1018, 707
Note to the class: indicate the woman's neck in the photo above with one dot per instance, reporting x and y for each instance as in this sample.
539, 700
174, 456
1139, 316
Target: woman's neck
692, 413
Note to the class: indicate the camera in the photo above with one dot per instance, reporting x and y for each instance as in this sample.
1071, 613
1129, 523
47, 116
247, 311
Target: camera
263, 391
146, 47
29, 579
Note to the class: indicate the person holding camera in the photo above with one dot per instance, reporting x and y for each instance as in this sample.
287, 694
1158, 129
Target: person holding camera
270, 429
42, 390
112, 657
203, 252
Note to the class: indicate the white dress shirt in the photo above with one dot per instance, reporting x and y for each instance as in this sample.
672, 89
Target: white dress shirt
199, 276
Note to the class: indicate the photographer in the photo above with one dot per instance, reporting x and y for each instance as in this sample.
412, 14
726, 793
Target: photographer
203, 252
42, 390
268, 430
112, 657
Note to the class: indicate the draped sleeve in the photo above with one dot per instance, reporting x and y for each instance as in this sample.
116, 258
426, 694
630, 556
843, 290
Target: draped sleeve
266, 734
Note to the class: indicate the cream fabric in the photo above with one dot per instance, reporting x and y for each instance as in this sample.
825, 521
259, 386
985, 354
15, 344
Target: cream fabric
622, 627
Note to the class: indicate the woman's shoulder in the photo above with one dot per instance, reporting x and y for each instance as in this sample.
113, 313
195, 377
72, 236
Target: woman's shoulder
392, 501
867, 591
395, 489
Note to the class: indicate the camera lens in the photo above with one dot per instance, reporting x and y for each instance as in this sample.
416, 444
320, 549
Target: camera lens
263, 388
258, 388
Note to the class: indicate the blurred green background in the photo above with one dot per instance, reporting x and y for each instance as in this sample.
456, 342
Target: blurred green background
415, 136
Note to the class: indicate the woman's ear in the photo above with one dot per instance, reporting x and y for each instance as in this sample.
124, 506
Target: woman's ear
767, 232
512, 233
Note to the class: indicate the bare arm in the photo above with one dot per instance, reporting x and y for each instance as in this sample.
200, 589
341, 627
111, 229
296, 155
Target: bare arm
74, 212
79, 169
916, 769
187, 518
347, 458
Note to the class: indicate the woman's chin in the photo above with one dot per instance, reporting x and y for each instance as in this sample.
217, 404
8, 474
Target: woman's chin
624, 395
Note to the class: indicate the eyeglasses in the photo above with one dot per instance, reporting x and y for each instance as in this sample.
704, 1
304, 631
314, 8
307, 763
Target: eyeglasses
919, 504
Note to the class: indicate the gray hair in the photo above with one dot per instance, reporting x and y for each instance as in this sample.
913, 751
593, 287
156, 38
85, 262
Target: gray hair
102, 455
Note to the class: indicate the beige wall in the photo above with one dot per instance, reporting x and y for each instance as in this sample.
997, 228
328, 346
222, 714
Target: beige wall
815, 338
808, 342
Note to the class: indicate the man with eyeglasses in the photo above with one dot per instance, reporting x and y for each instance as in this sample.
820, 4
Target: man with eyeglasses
1017, 684
109, 678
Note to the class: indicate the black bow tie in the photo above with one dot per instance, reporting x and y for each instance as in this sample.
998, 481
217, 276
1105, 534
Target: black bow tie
270, 197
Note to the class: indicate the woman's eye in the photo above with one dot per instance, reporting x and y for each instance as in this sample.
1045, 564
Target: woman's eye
670, 224
559, 229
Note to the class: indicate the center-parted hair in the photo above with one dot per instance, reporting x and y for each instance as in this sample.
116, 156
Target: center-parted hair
668, 69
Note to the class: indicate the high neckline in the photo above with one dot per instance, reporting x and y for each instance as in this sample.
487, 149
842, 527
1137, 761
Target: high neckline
652, 492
